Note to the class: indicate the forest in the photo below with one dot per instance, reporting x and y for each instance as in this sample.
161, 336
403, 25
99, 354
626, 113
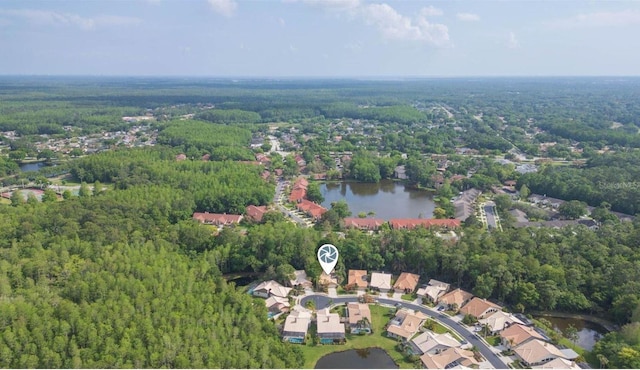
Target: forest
126, 278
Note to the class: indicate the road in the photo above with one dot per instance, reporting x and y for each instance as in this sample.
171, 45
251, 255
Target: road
490, 212
322, 301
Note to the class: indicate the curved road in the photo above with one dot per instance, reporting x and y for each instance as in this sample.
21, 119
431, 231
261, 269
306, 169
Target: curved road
322, 301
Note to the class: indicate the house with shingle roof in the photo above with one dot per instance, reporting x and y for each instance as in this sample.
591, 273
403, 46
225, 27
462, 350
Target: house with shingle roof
330, 329
479, 308
296, 326
536, 352
407, 282
455, 299
367, 224
517, 334
433, 290
498, 321
432, 343
255, 213
270, 288
359, 316
405, 324
380, 281
218, 219
450, 358
300, 279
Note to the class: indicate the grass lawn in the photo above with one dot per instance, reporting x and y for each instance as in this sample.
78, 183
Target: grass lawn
379, 317
494, 340
409, 297
439, 329
4, 201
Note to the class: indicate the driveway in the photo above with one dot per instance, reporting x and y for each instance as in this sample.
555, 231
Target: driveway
322, 301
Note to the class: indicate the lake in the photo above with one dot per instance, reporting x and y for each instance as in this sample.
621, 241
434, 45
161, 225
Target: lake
366, 358
588, 332
387, 199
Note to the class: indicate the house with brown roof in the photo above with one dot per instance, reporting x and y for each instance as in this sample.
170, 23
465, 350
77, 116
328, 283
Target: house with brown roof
455, 299
407, 282
412, 223
366, 224
380, 281
296, 326
331, 281
405, 324
479, 308
277, 304
450, 358
219, 219
312, 209
517, 334
181, 157
359, 316
357, 279
255, 213
297, 195
330, 329
536, 352
559, 363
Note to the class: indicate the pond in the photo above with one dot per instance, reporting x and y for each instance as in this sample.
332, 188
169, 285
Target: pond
387, 199
366, 358
31, 166
588, 332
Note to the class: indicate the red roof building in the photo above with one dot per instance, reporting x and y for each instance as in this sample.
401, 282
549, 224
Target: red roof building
255, 213
411, 223
314, 210
181, 157
216, 218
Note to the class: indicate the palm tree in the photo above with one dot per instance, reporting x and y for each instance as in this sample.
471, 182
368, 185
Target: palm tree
603, 361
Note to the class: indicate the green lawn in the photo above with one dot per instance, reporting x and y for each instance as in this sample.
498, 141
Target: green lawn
379, 317
494, 341
409, 297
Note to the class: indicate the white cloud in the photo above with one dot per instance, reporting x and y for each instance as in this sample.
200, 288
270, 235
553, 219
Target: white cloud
468, 17
512, 41
431, 11
223, 7
52, 18
599, 19
395, 26
334, 4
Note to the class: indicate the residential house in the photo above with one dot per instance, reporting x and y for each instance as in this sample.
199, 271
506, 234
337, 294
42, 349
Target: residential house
270, 288
296, 326
412, 223
255, 213
433, 290
536, 352
450, 358
366, 224
359, 317
312, 209
517, 334
455, 299
277, 304
479, 308
300, 279
405, 324
558, 363
380, 281
400, 173
406, 282
330, 329
330, 281
357, 279
219, 219
498, 321
464, 205
181, 157
432, 343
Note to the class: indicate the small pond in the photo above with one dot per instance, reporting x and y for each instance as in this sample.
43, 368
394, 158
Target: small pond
588, 332
31, 166
366, 358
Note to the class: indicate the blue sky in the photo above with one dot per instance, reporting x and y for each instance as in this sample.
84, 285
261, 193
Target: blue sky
320, 38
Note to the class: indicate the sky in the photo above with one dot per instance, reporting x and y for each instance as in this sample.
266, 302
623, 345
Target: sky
320, 38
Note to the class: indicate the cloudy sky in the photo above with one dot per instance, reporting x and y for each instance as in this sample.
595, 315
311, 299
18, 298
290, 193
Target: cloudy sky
320, 38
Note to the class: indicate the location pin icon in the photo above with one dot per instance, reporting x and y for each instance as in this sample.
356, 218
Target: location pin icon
328, 257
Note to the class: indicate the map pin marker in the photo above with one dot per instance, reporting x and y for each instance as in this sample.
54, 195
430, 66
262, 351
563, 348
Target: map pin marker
328, 257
